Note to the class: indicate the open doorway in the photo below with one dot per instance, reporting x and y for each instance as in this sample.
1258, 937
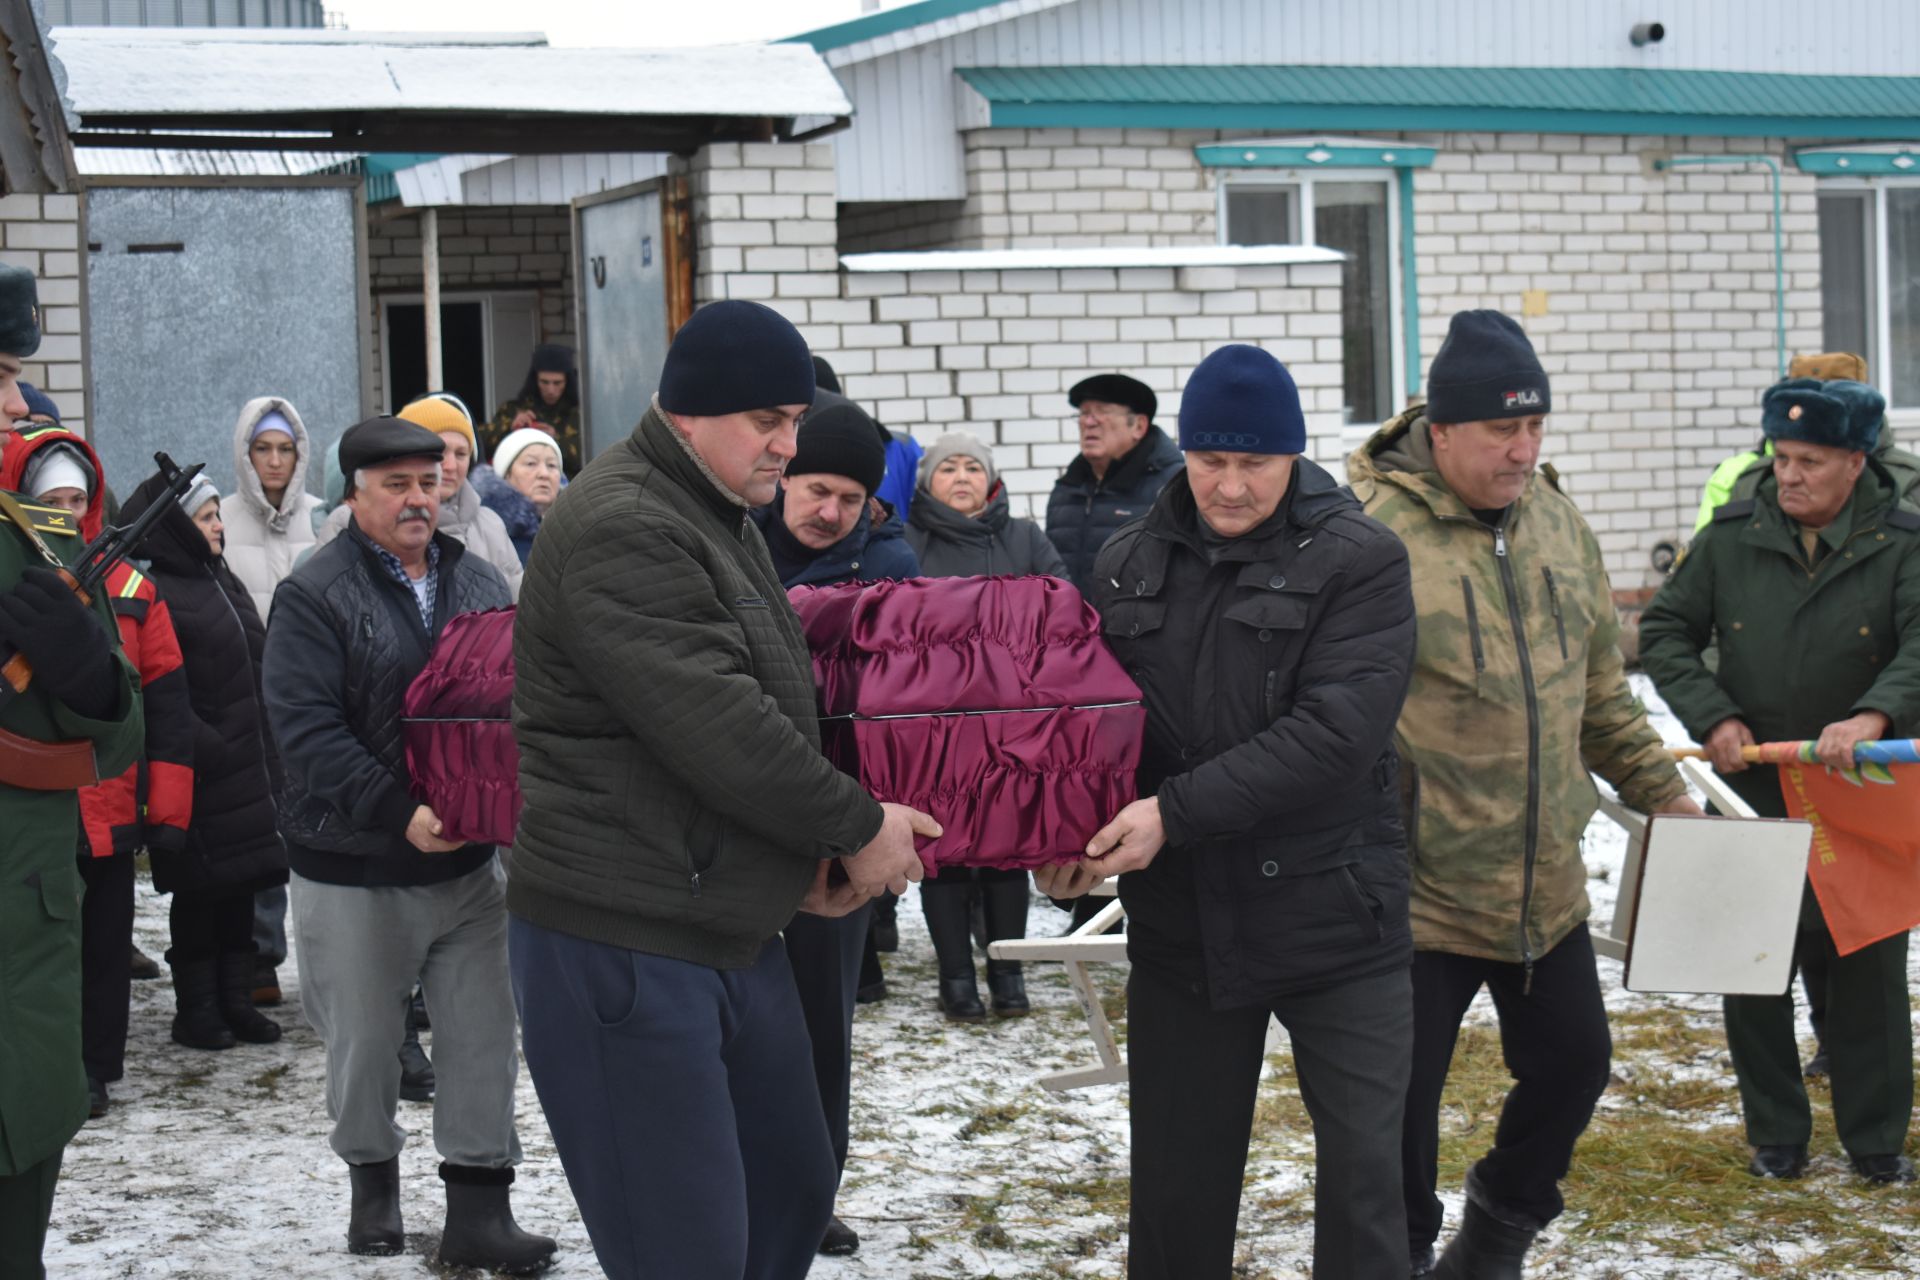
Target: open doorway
486, 340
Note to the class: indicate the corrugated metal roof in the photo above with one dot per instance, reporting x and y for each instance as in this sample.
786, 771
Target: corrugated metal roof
130, 162
901, 17
1535, 89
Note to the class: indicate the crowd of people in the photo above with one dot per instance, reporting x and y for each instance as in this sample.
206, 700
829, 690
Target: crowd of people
1373, 704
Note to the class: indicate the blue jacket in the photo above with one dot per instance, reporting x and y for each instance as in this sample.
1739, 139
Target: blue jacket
903, 473
870, 552
1082, 512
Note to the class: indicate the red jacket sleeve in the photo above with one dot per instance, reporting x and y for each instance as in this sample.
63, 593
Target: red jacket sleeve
154, 650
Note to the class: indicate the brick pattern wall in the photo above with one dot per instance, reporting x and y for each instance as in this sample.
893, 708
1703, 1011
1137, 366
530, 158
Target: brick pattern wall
515, 248
45, 235
994, 351
874, 226
1066, 188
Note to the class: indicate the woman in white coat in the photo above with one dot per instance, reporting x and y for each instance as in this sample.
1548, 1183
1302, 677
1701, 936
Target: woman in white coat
270, 515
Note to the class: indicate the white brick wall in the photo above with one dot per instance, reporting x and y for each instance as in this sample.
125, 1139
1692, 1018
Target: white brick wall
45, 235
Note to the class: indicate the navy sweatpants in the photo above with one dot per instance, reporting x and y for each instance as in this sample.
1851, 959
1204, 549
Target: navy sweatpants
825, 955
682, 1103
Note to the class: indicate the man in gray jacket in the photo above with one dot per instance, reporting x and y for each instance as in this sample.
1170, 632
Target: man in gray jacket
678, 813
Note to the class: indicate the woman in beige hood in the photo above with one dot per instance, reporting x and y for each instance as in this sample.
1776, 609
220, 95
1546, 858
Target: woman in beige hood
270, 515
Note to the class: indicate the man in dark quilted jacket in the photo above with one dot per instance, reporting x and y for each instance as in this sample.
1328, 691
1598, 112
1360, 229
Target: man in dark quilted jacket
678, 814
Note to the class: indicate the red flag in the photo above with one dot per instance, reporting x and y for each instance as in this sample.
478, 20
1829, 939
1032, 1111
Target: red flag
1865, 862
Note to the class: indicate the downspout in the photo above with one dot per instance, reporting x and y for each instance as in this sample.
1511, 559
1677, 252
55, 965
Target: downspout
1409, 286
1779, 244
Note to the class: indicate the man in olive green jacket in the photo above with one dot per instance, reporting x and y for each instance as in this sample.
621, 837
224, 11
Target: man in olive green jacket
1518, 690
84, 697
1812, 588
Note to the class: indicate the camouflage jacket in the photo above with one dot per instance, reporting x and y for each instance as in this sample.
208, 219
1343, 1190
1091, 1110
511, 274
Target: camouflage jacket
1518, 691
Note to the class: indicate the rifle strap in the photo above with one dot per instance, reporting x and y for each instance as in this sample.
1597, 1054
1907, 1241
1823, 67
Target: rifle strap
17, 516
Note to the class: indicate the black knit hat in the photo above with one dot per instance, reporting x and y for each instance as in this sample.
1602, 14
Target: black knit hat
824, 377
1485, 370
841, 440
734, 356
1116, 388
19, 312
384, 439
1840, 413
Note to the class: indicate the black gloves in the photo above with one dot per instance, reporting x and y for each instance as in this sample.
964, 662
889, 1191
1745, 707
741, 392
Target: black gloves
67, 645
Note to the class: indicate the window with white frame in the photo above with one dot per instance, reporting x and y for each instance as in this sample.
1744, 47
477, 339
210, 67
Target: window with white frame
1355, 213
1870, 280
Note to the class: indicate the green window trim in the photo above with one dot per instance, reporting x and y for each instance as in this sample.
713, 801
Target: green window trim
1893, 160
1312, 155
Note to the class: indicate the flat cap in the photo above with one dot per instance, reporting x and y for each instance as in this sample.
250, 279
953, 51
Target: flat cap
19, 312
1116, 388
384, 439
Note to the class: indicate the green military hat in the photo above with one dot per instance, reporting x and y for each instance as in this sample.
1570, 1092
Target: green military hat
19, 312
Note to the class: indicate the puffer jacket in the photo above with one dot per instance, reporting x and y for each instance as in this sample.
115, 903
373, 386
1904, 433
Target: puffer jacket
345, 642
519, 519
950, 545
232, 845
1083, 512
677, 802
1273, 666
1518, 691
264, 541
462, 517
875, 548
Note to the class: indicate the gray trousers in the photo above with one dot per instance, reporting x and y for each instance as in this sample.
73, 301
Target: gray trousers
360, 952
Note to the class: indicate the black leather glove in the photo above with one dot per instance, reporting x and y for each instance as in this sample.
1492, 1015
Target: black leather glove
63, 639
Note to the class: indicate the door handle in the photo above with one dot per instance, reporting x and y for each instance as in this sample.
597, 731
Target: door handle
599, 265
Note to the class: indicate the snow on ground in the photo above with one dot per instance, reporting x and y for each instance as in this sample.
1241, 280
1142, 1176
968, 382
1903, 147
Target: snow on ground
216, 1164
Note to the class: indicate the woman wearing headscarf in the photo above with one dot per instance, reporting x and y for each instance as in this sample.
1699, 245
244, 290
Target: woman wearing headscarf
959, 526
269, 517
523, 482
549, 400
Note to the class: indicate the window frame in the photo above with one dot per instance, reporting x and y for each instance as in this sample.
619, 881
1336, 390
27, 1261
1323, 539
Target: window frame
1352, 434
1879, 331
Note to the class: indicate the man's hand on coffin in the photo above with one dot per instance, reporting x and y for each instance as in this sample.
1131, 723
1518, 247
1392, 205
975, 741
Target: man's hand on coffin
1066, 879
1723, 745
1837, 740
424, 832
832, 896
889, 861
1130, 842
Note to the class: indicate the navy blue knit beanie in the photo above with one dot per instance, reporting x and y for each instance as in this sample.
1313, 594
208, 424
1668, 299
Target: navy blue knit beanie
1840, 412
1241, 400
734, 356
1485, 371
39, 404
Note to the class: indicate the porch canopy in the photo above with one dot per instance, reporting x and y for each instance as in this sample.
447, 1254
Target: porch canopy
341, 91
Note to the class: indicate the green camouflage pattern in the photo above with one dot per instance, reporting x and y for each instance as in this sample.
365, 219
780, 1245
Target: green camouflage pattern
1466, 746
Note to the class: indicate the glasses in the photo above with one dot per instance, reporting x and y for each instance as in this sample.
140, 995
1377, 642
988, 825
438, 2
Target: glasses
1115, 414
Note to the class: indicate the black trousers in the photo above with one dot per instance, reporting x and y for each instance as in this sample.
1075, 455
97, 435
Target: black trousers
204, 926
1195, 1076
26, 1206
1557, 1047
106, 964
825, 957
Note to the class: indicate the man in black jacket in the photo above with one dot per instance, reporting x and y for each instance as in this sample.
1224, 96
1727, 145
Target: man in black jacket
1124, 462
678, 813
380, 900
1269, 624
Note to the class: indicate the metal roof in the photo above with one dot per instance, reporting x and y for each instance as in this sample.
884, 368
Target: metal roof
907, 25
133, 162
1547, 99
364, 95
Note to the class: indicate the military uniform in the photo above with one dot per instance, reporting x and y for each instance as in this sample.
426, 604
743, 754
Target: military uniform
1805, 640
43, 1088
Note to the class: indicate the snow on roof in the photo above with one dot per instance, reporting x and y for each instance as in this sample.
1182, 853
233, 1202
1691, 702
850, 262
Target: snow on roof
117, 71
309, 35
1270, 255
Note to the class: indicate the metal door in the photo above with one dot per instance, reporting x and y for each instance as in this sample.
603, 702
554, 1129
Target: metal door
622, 284
200, 299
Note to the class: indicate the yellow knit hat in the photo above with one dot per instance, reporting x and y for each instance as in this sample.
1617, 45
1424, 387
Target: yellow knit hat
439, 413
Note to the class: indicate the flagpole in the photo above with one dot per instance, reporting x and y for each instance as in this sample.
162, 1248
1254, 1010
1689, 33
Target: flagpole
1892, 751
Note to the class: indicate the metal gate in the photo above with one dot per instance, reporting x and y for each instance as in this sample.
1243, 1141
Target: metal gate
200, 299
629, 265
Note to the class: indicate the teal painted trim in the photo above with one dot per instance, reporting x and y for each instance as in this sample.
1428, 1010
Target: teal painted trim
1387, 156
1276, 116
1409, 286
886, 22
1779, 238
379, 169
1858, 164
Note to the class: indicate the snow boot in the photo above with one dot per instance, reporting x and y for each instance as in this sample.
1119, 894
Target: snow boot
1485, 1248
373, 1230
236, 1000
1008, 986
197, 1019
416, 1069
481, 1231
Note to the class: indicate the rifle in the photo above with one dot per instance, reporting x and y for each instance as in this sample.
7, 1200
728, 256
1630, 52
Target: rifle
98, 558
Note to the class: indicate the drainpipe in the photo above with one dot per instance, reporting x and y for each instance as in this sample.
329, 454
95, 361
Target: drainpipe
1779, 245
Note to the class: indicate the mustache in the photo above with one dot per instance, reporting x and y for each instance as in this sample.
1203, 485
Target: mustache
411, 514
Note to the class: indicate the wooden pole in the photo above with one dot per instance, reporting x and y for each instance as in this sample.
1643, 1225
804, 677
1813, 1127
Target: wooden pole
430, 275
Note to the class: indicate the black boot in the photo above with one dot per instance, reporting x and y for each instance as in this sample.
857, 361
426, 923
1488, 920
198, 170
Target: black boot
416, 1069
1005, 902
840, 1239
144, 967
1008, 988
197, 1019
946, 907
236, 1000
374, 1228
481, 1231
1485, 1248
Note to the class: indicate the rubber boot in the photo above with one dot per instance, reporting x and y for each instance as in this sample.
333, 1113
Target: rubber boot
373, 1230
1005, 902
481, 1232
236, 1000
416, 1069
946, 908
198, 1022
1485, 1248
